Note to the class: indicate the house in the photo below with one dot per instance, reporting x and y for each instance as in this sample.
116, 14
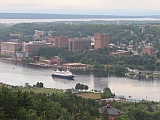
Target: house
112, 112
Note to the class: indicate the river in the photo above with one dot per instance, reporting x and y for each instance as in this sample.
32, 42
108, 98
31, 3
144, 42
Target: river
138, 89
14, 21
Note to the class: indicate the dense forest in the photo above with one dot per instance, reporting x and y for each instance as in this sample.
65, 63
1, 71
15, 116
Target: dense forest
18, 105
31, 106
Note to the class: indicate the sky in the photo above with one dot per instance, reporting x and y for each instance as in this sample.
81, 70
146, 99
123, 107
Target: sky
79, 6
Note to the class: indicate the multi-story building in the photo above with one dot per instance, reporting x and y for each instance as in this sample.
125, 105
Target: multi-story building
101, 40
60, 41
39, 33
79, 44
9, 47
149, 50
28, 48
15, 36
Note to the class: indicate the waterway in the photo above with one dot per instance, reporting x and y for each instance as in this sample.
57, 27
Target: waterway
14, 21
138, 89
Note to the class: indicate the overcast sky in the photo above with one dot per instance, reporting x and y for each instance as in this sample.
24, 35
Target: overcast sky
70, 6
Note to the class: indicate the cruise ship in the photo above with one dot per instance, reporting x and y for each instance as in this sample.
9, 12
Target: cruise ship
63, 74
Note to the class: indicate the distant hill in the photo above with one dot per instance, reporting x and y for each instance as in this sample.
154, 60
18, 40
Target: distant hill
64, 16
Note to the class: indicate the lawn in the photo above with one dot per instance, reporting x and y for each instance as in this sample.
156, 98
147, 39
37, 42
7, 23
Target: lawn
90, 95
42, 90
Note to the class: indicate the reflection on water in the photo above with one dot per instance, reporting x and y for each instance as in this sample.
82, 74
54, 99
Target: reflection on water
61, 80
141, 78
97, 80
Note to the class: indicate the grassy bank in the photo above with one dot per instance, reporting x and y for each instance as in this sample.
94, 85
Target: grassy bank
90, 95
41, 90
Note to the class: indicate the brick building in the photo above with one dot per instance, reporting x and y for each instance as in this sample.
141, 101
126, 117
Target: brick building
112, 112
39, 33
15, 36
56, 60
9, 47
79, 44
31, 46
149, 50
60, 41
51, 40
101, 40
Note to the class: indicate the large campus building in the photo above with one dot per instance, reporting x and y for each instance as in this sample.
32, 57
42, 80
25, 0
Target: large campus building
9, 47
28, 48
79, 44
101, 40
149, 50
60, 41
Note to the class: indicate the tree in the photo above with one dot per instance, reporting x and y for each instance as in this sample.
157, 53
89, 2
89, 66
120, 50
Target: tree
37, 84
41, 85
2, 114
81, 86
64, 114
22, 114
77, 86
105, 115
107, 93
26, 84
86, 87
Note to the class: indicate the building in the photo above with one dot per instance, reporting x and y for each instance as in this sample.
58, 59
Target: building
120, 53
15, 36
111, 45
149, 50
131, 100
112, 112
79, 44
21, 54
51, 40
60, 41
9, 47
35, 58
39, 33
74, 65
57, 61
101, 40
0, 44
31, 46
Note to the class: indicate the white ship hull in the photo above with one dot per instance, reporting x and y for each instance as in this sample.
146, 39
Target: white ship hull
63, 74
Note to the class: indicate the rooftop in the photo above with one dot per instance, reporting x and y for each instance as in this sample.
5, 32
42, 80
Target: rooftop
79, 39
74, 64
110, 110
14, 43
